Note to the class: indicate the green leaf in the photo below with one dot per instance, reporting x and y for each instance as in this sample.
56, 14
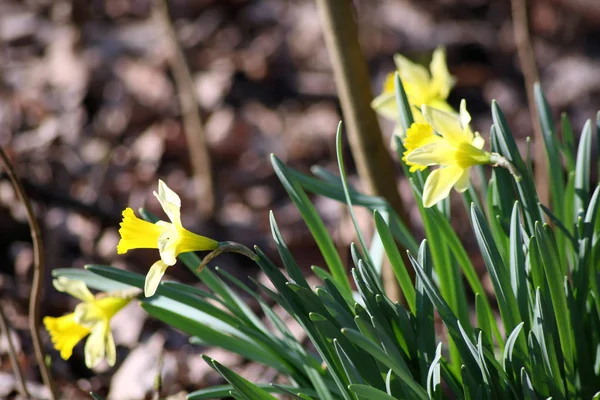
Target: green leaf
366, 344
556, 179
498, 272
369, 393
96, 396
342, 169
582, 171
248, 389
220, 391
398, 266
406, 115
315, 225
433, 375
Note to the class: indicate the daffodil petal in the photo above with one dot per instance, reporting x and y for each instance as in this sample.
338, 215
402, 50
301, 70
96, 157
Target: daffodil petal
95, 345
411, 72
478, 141
463, 182
438, 152
446, 124
170, 202
439, 183
441, 80
167, 246
153, 277
110, 349
385, 104
75, 288
65, 333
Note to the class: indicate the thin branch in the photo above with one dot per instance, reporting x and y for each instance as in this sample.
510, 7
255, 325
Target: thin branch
374, 163
192, 124
37, 282
531, 75
4, 327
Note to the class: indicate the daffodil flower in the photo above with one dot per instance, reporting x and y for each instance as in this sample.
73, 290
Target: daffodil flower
91, 317
170, 238
422, 87
448, 141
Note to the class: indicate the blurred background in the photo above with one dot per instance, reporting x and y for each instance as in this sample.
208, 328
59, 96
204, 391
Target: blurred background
90, 115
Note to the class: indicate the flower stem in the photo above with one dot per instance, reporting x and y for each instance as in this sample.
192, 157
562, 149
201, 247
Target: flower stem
227, 247
498, 161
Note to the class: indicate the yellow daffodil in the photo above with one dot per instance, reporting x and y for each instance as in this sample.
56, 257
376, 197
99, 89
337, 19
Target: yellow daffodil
448, 141
91, 317
422, 87
170, 238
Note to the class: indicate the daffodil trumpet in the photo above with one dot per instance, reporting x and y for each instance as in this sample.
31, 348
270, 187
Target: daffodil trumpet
446, 140
90, 318
170, 238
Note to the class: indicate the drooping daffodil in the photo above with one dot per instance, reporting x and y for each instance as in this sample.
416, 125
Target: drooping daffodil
448, 141
91, 317
170, 238
422, 87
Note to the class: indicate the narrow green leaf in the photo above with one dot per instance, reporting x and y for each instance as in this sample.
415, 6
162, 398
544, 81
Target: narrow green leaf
396, 261
245, 387
582, 171
315, 225
370, 393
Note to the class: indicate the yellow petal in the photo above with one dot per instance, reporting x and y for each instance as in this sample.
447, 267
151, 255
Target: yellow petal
65, 333
95, 345
137, 233
385, 104
463, 182
153, 277
446, 124
438, 152
170, 202
441, 80
438, 184
75, 288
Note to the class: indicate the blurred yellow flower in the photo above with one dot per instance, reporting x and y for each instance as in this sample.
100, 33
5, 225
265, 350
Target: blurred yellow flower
170, 238
448, 141
91, 317
422, 87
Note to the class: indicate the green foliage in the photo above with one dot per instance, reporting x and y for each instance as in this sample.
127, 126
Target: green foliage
536, 337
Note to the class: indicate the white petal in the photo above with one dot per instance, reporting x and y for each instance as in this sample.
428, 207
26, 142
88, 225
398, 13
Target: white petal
155, 274
167, 246
94, 346
75, 288
110, 349
438, 184
170, 202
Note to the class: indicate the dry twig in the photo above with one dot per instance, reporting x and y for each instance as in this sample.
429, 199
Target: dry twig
531, 75
374, 164
192, 124
38, 274
4, 327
